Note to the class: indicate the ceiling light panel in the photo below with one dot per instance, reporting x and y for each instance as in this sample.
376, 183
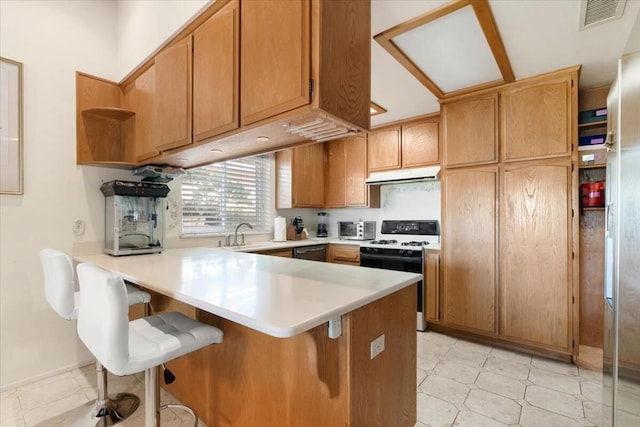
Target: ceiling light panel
451, 50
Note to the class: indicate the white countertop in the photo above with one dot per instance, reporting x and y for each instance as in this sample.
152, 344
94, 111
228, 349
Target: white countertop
278, 296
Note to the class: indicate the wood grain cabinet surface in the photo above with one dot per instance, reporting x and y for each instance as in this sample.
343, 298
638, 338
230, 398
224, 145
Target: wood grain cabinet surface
431, 275
344, 254
469, 235
216, 66
536, 260
536, 119
139, 96
384, 151
346, 171
470, 131
300, 177
173, 95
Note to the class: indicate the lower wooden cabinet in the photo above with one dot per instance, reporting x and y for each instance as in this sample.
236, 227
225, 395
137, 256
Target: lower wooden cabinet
431, 274
469, 236
344, 254
536, 254
285, 253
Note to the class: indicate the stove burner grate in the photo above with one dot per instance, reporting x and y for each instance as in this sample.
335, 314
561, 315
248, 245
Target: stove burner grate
414, 243
384, 242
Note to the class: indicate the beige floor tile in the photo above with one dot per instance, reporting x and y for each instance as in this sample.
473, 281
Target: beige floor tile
472, 346
536, 417
57, 412
554, 401
591, 391
31, 398
419, 424
590, 375
471, 419
586, 423
512, 356
555, 366
427, 361
626, 419
465, 357
435, 412
555, 381
507, 368
592, 412
493, 406
445, 389
420, 376
9, 408
499, 384
13, 422
455, 371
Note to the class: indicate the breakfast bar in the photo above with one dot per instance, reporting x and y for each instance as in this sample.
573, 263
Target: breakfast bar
306, 343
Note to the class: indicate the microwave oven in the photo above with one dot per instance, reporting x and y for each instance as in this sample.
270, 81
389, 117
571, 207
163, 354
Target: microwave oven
357, 230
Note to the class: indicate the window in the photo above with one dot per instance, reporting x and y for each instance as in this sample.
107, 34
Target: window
218, 197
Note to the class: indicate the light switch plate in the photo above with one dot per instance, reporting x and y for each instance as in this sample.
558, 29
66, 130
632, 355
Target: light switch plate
377, 346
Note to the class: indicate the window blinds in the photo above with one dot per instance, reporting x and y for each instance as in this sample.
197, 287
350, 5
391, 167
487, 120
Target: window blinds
218, 197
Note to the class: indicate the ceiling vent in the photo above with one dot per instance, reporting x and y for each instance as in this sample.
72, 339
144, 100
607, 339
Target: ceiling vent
593, 12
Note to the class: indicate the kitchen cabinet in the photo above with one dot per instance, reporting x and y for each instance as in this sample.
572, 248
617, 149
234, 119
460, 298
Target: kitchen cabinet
470, 249
470, 131
139, 96
536, 253
431, 274
216, 63
384, 149
274, 58
284, 253
536, 119
173, 95
300, 177
409, 145
346, 171
344, 254
231, 84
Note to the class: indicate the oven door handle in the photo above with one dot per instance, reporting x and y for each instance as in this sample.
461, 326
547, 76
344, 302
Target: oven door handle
410, 260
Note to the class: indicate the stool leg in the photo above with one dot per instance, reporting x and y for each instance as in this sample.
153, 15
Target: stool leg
112, 410
151, 398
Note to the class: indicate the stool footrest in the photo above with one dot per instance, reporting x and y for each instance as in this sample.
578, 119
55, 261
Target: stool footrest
184, 408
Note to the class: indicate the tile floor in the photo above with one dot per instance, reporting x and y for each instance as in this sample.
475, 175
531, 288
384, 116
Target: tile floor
459, 383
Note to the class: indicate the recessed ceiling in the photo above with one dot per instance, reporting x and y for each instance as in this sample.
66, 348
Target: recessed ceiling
538, 37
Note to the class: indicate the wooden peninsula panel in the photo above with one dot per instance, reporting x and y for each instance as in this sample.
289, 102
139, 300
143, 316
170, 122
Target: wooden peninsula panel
253, 379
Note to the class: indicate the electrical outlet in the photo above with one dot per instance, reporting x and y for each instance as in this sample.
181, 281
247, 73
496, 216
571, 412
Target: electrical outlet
377, 346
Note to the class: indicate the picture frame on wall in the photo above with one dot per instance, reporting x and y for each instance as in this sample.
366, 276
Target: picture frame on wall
11, 135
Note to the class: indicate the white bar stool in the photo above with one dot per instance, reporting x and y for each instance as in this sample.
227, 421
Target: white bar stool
59, 289
124, 347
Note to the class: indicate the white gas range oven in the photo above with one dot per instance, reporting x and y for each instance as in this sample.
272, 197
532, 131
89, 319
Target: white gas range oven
400, 247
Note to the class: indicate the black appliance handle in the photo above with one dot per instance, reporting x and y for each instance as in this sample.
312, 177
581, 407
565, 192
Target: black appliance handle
405, 259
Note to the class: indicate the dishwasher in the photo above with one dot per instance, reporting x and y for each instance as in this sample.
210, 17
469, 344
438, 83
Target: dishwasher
313, 253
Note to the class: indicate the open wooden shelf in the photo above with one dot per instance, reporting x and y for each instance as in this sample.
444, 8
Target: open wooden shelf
592, 166
593, 208
110, 113
592, 124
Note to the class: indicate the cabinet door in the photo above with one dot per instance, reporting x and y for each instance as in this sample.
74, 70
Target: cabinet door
420, 144
145, 87
536, 274
432, 286
383, 152
308, 176
536, 120
470, 131
215, 73
336, 174
173, 96
469, 248
274, 58
356, 171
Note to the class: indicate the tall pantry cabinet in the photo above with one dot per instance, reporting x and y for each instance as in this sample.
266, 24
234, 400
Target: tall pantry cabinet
509, 231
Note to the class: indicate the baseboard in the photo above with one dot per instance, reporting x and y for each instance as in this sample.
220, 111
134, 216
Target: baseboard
10, 386
589, 358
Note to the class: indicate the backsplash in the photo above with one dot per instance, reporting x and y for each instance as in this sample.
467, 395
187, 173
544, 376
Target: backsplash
410, 201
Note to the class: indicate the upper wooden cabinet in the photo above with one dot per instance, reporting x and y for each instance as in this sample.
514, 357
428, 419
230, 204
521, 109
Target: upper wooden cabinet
242, 78
420, 144
173, 95
346, 174
536, 119
216, 45
384, 149
300, 177
139, 96
275, 58
470, 131
404, 146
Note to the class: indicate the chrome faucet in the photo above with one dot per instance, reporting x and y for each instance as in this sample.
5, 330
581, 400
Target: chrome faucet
235, 236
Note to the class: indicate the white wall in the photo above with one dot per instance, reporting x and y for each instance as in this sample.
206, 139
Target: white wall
54, 39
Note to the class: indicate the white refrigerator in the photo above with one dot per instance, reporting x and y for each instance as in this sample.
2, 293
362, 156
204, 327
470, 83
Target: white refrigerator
621, 367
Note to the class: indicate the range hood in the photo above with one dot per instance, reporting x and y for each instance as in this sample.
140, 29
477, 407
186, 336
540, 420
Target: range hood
400, 176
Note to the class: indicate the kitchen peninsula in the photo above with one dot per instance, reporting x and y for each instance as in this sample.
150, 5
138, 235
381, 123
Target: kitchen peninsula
277, 365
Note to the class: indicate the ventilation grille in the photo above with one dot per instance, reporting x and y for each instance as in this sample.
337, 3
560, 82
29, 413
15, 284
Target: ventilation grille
594, 12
